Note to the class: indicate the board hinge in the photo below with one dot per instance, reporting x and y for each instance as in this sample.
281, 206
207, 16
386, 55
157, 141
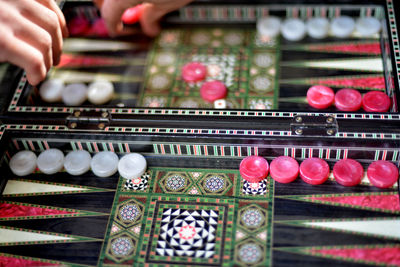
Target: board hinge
304, 125
88, 120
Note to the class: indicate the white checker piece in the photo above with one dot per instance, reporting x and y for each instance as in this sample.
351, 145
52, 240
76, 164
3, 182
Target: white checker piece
23, 163
132, 166
77, 162
104, 164
50, 161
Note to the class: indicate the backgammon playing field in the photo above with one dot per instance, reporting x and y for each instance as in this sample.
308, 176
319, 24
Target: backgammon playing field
192, 206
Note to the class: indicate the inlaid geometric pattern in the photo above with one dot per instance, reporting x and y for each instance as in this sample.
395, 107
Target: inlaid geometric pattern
226, 54
187, 233
183, 231
259, 188
210, 182
137, 184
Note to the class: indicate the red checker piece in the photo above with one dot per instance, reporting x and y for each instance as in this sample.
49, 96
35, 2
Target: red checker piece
254, 169
213, 90
320, 96
376, 101
382, 174
284, 169
348, 100
348, 172
314, 171
194, 72
132, 15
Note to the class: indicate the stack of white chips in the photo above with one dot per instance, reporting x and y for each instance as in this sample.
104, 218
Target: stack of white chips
103, 164
294, 29
75, 94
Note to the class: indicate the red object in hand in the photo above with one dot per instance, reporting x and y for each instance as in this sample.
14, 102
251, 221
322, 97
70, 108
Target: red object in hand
254, 169
376, 101
194, 72
284, 169
382, 174
214, 90
132, 15
348, 100
320, 96
314, 171
348, 172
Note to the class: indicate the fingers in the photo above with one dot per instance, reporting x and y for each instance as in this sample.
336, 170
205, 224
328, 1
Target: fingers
51, 4
112, 10
48, 21
31, 35
153, 12
150, 18
23, 55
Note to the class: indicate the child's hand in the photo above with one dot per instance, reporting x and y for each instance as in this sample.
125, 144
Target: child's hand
152, 12
31, 35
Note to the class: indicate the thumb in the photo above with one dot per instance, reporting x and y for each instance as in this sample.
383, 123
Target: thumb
150, 19
112, 10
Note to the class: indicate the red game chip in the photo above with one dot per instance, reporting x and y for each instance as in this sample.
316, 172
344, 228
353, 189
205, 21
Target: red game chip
132, 15
348, 172
382, 174
194, 72
214, 90
254, 169
376, 101
284, 169
348, 100
320, 97
314, 171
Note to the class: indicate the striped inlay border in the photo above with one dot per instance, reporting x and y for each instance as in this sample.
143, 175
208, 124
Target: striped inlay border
250, 13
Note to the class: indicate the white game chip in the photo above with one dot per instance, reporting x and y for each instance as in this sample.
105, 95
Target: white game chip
269, 26
318, 28
50, 161
368, 26
77, 162
74, 94
132, 166
23, 163
51, 90
293, 29
100, 92
104, 164
342, 27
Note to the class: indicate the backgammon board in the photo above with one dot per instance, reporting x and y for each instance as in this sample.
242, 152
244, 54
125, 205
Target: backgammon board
192, 207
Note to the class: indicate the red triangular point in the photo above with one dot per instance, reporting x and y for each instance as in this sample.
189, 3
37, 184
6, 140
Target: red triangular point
375, 82
70, 61
19, 261
379, 202
354, 48
15, 210
376, 255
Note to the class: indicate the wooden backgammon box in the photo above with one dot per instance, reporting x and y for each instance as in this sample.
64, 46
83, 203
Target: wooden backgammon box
192, 207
